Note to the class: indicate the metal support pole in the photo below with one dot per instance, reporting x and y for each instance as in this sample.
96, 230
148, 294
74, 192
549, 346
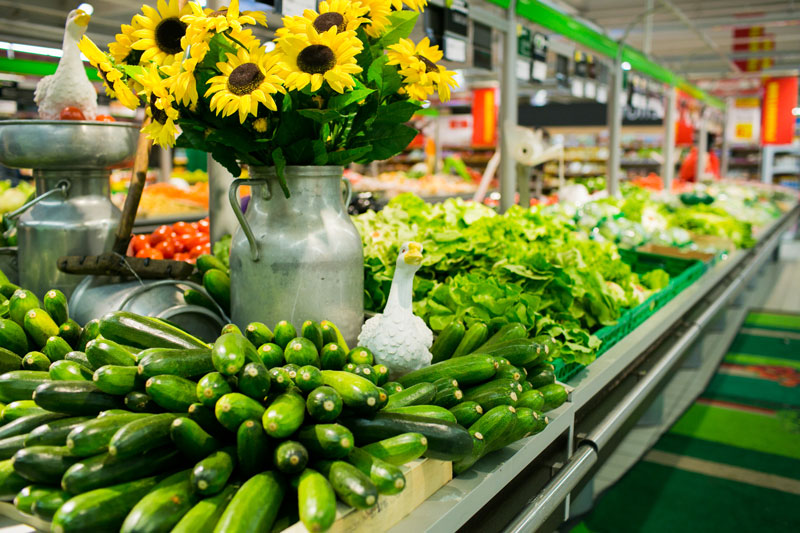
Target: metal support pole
508, 109
647, 45
614, 125
702, 147
164, 164
726, 147
668, 148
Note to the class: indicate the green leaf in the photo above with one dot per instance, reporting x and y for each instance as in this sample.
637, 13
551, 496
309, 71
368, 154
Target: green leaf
227, 158
401, 25
279, 161
397, 112
384, 76
387, 140
320, 154
345, 157
343, 100
321, 116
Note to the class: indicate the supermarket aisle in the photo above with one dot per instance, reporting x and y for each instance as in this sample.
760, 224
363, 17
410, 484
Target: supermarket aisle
732, 461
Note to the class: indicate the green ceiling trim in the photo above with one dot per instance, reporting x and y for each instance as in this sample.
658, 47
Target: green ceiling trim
37, 68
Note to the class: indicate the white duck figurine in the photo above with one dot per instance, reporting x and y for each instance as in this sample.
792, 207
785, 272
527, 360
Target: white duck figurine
398, 338
69, 85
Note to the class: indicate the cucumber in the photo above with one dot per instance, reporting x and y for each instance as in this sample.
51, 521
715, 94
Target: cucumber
206, 513
254, 506
425, 411
92, 437
490, 397
234, 408
56, 348
474, 337
173, 393
80, 359
231, 352
191, 439
388, 478
70, 331
11, 445
332, 357
467, 412
90, 331
526, 386
26, 424
182, 362
20, 303
104, 470
366, 371
54, 433
301, 351
199, 298
518, 352
35, 361
509, 372
7, 288
40, 326
211, 388
139, 331
382, 371
258, 334
20, 384
206, 419
350, 367
554, 395
141, 435
10, 482
140, 402
324, 404
308, 378
330, 333
254, 380
284, 333
162, 507
113, 412
383, 398
527, 421
218, 285
20, 408
206, 262
75, 398
101, 352
532, 399
446, 440
43, 464
538, 367
230, 328
358, 393
284, 415
542, 378
447, 341
24, 499
290, 457
252, 448
350, 484
312, 331
271, 355
467, 370
400, 449
448, 395
101, 509
489, 428
46, 505
511, 331
9, 360
328, 441
392, 387
541, 423
292, 370
55, 303
210, 475
360, 356
113, 379
12, 337
316, 501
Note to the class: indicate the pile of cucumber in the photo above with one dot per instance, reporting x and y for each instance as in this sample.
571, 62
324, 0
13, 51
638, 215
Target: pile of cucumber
215, 277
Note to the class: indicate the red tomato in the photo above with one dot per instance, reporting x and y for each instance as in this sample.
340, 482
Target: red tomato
207, 248
71, 113
184, 242
140, 242
150, 253
182, 227
181, 257
105, 118
203, 225
196, 238
167, 248
197, 250
162, 233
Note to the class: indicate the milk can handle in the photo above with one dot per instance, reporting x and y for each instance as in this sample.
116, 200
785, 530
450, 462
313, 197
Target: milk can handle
233, 198
62, 187
348, 192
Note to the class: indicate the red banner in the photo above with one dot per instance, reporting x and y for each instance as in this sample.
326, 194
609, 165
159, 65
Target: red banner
688, 111
753, 39
777, 121
484, 117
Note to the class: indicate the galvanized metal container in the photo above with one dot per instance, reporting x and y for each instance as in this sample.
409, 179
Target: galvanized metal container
297, 258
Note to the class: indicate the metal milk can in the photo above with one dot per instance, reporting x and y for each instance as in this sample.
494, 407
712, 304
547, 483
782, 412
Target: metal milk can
72, 213
297, 258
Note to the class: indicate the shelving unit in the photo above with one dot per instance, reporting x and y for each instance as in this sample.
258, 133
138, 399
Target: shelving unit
781, 162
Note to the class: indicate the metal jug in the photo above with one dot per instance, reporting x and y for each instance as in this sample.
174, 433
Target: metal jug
298, 258
72, 213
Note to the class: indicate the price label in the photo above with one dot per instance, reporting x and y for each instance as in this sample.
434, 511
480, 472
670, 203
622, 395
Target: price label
455, 49
577, 88
590, 90
523, 69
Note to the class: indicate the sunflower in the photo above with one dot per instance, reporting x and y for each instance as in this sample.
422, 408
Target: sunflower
416, 5
343, 14
312, 58
248, 79
419, 69
160, 33
226, 18
378, 13
182, 82
112, 78
122, 47
162, 129
152, 82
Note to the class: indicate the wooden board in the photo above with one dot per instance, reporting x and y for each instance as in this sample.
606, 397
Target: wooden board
423, 478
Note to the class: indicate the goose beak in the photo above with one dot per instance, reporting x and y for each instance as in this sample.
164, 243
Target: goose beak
414, 254
82, 19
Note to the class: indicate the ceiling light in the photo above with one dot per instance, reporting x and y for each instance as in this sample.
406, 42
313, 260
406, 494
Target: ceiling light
625, 65
86, 8
796, 111
33, 50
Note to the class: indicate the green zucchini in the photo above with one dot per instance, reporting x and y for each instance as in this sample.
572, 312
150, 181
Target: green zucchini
186, 363
330, 333
56, 348
211, 474
388, 478
292, 369
284, 333
301, 351
357, 392
75, 398
519, 352
254, 380
140, 402
173, 393
425, 411
113, 379
332, 357
35, 361
104, 470
71, 331
206, 513
467, 412
258, 334
20, 303
40, 326
392, 387
20, 384
400, 449
26, 424
141, 435
328, 441
81, 359
206, 262
20, 408
324, 404
191, 439
448, 395
509, 372
234, 408
211, 388
308, 378
360, 356
11, 445
10, 482
55, 303
532, 399
12, 337
312, 331
252, 448
254, 506
199, 298
101, 509
366, 371
206, 419
218, 285
542, 378
46, 505
350, 484
290, 457
511, 331
472, 339
492, 426
101, 352
231, 352
230, 328
350, 367
9, 360
467, 370
139, 331
54, 433
271, 355
554, 396
527, 421
90, 331
491, 397
382, 371
24, 499
316, 501
92, 436
43, 464
284, 415
163, 506
447, 341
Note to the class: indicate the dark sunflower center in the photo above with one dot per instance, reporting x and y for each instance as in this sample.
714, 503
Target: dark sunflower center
219, 13
169, 33
133, 57
159, 115
430, 66
327, 21
245, 79
316, 59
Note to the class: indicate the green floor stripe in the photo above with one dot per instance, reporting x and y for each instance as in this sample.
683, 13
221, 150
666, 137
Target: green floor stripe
769, 434
652, 498
731, 455
752, 391
766, 346
760, 360
773, 320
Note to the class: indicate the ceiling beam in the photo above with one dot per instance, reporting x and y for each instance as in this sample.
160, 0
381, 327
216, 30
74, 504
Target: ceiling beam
735, 55
31, 8
769, 19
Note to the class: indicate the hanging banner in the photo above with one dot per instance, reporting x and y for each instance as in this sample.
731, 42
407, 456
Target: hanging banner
684, 128
753, 39
777, 121
484, 117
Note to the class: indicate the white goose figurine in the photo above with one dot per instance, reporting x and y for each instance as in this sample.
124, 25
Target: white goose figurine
398, 338
69, 85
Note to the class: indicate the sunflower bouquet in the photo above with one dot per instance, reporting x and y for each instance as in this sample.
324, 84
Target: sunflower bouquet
334, 86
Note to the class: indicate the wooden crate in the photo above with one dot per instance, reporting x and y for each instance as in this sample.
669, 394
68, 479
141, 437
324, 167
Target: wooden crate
423, 478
